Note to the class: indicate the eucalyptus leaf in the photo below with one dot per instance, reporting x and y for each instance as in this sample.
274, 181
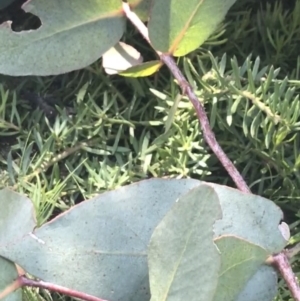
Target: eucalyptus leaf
240, 261
100, 241
261, 287
180, 26
183, 260
251, 217
73, 34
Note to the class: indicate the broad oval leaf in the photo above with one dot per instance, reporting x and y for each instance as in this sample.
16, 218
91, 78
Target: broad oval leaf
180, 26
106, 236
240, 260
183, 260
73, 35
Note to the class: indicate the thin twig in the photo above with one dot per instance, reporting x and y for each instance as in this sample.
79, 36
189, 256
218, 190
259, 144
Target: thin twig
67, 152
280, 261
263, 107
208, 134
24, 281
137, 22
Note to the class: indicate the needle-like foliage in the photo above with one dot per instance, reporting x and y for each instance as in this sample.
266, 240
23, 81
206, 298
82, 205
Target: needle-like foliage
121, 130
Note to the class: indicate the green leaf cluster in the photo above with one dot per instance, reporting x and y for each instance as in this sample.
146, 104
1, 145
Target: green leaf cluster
72, 36
195, 239
265, 110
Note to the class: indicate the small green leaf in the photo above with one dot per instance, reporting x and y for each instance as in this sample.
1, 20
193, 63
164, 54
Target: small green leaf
17, 219
240, 261
172, 113
144, 69
183, 259
180, 26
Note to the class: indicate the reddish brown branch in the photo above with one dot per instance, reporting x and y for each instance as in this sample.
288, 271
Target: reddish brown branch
208, 134
24, 281
282, 264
